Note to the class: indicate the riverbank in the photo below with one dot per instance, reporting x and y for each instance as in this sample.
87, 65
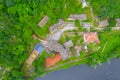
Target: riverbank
84, 72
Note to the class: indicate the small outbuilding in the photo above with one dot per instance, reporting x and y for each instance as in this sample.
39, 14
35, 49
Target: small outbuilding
43, 21
78, 49
68, 44
118, 22
103, 23
79, 17
86, 26
84, 3
69, 26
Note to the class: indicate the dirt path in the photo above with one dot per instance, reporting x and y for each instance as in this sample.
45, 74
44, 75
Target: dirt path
55, 67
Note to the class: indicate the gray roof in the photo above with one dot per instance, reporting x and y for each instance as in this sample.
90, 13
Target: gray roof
68, 44
69, 26
77, 53
79, 17
47, 50
43, 21
118, 22
116, 28
54, 46
56, 26
56, 36
103, 23
78, 49
86, 25
84, 3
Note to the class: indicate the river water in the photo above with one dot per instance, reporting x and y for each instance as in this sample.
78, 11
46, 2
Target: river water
83, 72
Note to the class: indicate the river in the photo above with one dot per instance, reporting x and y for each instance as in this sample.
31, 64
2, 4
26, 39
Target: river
84, 72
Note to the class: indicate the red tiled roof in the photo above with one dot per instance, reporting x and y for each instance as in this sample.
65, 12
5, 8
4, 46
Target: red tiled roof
91, 37
52, 60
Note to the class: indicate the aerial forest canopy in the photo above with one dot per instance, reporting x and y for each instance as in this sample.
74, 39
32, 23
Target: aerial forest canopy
19, 20
106, 8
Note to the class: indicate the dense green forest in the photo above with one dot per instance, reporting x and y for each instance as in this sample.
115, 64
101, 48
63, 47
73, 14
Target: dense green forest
19, 20
106, 8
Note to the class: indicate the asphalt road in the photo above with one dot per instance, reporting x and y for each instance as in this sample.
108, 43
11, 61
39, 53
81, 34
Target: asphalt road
83, 72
